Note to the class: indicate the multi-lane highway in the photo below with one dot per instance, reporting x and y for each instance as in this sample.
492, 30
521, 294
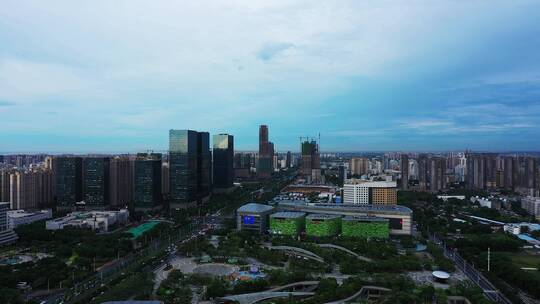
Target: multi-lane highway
474, 275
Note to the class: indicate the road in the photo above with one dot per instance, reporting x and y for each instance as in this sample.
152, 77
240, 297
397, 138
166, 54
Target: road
87, 288
474, 275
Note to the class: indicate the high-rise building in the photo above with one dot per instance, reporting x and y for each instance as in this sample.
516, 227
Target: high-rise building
204, 165
165, 178
266, 154
5, 185
96, 179
342, 174
242, 160
404, 172
68, 180
359, 166
482, 171
491, 171
147, 181
531, 165
30, 188
310, 163
288, 160
422, 162
242, 165
223, 153
510, 171
121, 181
189, 166
7, 235
437, 174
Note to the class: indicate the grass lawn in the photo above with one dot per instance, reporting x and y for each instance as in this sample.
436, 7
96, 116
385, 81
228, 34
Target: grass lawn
525, 260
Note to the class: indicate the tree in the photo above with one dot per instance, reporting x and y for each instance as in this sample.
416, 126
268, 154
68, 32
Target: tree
216, 288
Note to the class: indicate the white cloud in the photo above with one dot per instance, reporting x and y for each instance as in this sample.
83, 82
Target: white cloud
21, 80
147, 66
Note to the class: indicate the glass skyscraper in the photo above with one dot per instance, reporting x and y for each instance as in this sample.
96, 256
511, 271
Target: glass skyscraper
96, 181
68, 175
223, 153
147, 181
189, 165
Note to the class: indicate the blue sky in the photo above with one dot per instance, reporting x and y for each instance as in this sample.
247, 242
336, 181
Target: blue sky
79, 76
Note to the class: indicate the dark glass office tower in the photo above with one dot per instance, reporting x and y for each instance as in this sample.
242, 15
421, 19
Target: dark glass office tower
189, 165
68, 175
96, 182
147, 181
183, 166
204, 165
223, 153
121, 181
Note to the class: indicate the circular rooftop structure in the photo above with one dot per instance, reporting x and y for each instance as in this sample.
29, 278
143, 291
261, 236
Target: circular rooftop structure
441, 276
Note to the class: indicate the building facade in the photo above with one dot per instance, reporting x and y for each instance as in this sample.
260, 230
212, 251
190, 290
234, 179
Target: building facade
147, 181
367, 192
265, 165
96, 182
68, 178
404, 172
7, 235
189, 166
359, 166
223, 164
30, 188
121, 181
310, 162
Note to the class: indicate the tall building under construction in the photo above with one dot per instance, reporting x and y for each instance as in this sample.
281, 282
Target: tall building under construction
310, 167
265, 164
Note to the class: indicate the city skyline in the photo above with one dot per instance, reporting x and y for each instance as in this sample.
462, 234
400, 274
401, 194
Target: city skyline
421, 76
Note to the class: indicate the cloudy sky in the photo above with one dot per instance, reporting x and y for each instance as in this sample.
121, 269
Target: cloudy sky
80, 76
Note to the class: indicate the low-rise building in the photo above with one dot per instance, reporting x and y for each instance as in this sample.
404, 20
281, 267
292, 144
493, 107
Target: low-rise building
100, 221
357, 191
399, 217
287, 223
253, 216
447, 197
323, 225
484, 202
21, 217
7, 235
532, 205
518, 228
365, 226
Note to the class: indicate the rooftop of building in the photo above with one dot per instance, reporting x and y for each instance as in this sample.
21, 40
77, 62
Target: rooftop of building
293, 201
352, 207
364, 218
320, 216
255, 208
22, 213
81, 215
372, 184
288, 214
